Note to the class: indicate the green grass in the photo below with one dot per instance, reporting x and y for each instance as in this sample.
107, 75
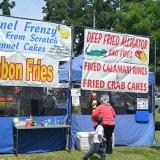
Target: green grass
119, 153
157, 117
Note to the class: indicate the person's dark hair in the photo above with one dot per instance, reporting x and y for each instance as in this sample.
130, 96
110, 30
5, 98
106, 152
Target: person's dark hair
50, 91
99, 120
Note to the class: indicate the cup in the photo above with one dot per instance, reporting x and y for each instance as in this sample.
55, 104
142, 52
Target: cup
58, 122
45, 123
49, 122
64, 122
42, 122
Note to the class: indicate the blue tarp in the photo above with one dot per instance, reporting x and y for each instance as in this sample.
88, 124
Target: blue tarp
127, 131
31, 140
142, 116
76, 69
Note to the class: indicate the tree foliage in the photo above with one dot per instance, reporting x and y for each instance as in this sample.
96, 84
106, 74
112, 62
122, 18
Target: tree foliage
5, 6
79, 13
141, 18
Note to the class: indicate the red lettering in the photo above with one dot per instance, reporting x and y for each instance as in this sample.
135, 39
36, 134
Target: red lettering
111, 39
127, 54
137, 86
89, 83
92, 66
116, 85
94, 37
113, 52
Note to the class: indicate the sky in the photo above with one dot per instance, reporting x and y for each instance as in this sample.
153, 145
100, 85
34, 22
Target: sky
31, 9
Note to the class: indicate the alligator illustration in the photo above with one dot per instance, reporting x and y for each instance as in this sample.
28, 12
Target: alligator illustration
95, 52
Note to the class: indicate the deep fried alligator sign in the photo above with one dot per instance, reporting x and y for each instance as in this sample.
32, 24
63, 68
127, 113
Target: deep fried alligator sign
115, 62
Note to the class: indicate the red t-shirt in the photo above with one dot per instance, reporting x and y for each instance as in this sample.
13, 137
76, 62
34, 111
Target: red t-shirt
106, 112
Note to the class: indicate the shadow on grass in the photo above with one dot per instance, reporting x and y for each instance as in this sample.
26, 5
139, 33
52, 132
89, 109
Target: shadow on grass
94, 158
155, 147
157, 126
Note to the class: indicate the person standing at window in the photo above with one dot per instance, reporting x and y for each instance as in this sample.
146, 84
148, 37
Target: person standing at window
93, 103
50, 103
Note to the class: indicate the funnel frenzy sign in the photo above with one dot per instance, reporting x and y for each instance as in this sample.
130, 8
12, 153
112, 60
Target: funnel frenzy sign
115, 62
30, 51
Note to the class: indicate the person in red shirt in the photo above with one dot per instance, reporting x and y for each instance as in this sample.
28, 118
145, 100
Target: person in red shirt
106, 111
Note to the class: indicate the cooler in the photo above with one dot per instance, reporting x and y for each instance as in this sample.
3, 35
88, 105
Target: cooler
83, 140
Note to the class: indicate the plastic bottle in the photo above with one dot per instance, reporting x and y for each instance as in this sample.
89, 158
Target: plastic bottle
35, 121
31, 121
64, 122
42, 122
55, 121
49, 122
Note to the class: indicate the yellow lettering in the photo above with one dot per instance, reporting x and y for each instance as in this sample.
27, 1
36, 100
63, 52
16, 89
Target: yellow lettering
4, 69
50, 76
29, 69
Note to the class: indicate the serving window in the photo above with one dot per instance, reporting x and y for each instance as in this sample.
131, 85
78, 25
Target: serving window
122, 102
25, 101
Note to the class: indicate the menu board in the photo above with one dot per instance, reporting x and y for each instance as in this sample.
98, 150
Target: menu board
142, 104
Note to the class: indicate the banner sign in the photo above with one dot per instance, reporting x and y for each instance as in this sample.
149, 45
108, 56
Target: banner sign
30, 51
120, 77
28, 70
116, 47
115, 62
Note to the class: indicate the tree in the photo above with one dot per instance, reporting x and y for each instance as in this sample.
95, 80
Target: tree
141, 18
5, 5
79, 13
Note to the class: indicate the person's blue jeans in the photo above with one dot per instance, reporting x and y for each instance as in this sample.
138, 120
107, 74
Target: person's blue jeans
98, 148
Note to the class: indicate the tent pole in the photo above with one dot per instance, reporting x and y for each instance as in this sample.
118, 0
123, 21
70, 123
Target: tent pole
155, 59
70, 110
70, 77
154, 87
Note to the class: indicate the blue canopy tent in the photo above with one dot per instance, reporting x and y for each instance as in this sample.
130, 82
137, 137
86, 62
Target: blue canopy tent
76, 69
127, 131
